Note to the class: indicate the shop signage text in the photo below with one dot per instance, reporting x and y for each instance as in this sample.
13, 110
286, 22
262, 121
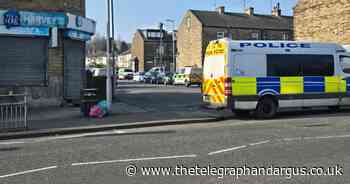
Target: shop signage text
12, 19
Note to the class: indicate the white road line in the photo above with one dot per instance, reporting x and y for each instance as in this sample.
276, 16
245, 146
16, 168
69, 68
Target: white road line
10, 143
315, 138
227, 150
259, 143
29, 171
133, 160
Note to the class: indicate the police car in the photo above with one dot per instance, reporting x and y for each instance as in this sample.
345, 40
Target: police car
265, 76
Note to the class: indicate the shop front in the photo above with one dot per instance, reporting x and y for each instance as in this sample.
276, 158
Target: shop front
43, 54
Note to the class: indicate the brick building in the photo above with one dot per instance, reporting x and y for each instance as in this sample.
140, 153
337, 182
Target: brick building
198, 28
43, 49
145, 49
322, 20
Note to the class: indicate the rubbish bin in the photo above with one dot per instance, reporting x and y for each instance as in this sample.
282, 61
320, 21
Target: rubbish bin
88, 100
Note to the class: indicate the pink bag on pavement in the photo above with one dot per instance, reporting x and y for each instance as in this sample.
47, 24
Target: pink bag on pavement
96, 112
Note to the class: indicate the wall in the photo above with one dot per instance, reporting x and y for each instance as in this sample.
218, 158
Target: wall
72, 6
137, 50
189, 42
323, 20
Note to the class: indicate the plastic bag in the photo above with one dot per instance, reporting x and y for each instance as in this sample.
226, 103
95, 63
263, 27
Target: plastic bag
100, 110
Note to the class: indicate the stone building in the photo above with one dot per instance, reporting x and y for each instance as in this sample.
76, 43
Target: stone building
145, 49
43, 49
322, 20
198, 28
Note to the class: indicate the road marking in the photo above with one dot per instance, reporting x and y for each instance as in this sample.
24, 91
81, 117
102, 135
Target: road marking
10, 143
133, 160
227, 150
28, 171
316, 138
259, 143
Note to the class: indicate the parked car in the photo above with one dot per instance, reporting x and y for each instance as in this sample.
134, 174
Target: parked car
168, 78
155, 75
188, 76
125, 74
139, 77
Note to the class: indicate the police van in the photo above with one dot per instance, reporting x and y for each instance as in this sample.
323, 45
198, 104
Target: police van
265, 76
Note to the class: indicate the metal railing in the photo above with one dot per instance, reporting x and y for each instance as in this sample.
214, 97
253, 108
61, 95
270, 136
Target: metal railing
13, 112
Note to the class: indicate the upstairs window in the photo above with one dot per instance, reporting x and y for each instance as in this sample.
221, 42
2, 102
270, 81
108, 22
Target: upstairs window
285, 36
255, 36
220, 35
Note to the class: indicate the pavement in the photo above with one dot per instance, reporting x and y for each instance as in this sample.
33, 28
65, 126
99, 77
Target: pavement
135, 105
295, 140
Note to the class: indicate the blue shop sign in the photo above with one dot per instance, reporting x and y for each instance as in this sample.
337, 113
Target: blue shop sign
43, 19
78, 35
12, 19
24, 31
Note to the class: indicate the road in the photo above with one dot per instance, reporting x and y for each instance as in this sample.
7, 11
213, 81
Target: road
298, 140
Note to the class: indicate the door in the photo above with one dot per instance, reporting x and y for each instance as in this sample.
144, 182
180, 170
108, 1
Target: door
345, 80
74, 69
23, 61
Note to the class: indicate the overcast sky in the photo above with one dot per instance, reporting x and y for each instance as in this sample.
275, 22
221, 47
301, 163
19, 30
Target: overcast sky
135, 14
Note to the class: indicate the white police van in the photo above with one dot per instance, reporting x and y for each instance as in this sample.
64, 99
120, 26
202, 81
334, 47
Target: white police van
264, 76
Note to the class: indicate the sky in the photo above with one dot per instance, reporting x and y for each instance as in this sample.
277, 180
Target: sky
138, 14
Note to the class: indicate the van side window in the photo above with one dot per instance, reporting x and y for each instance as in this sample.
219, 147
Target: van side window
300, 65
283, 65
345, 64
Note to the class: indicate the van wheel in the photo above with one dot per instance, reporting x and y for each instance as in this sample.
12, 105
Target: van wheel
266, 108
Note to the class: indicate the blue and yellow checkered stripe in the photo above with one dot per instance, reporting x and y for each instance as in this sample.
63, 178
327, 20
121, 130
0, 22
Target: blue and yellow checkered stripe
247, 86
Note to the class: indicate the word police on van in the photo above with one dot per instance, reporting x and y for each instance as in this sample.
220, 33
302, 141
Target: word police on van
275, 45
265, 76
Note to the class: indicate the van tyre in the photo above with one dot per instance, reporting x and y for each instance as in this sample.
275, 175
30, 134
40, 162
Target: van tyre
266, 108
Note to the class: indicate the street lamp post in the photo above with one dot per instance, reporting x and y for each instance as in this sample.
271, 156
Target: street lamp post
174, 54
108, 52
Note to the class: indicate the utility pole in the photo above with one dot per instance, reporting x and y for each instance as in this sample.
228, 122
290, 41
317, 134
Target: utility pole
161, 48
174, 47
113, 48
109, 76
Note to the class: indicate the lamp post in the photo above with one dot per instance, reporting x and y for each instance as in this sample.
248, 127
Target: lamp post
174, 55
108, 52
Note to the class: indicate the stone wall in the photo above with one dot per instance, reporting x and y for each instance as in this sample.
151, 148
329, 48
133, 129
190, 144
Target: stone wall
189, 42
323, 20
138, 51
72, 6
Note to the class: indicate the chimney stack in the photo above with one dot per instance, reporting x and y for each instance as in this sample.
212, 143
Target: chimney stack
221, 10
249, 11
276, 11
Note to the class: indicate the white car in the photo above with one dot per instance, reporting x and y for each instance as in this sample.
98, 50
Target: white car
139, 77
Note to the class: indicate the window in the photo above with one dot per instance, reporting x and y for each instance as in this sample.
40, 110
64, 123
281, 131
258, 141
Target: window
255, 36
188, 23
300, 65
220, 35
285, 36
345, 64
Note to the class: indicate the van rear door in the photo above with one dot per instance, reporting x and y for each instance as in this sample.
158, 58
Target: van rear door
214, 80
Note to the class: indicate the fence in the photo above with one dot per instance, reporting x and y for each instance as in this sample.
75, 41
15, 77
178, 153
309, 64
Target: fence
13, 112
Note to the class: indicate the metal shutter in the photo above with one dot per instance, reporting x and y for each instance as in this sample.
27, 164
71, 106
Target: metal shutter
23, 61
74, 69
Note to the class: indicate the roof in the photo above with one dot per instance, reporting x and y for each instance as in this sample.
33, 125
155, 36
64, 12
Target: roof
143, 33
242, 20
